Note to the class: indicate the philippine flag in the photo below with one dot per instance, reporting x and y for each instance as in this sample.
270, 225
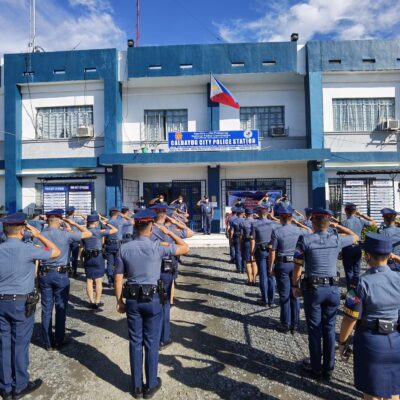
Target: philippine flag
220, 94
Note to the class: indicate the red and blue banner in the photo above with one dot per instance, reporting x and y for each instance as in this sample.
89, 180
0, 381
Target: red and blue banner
220, 94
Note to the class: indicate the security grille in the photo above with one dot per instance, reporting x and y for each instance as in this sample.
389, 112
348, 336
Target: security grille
130, 192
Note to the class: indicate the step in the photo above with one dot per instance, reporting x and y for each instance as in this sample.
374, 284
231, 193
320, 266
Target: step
214, 240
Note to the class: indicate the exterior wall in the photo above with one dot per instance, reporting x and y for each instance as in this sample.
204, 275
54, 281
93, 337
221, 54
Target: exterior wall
2, 197
359, 85
1, 110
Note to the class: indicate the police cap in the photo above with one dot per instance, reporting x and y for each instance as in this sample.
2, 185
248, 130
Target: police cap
388, 211
56, 212
350, 206
70, 209
376, 243
18, 218
283, 209
159, 208
92, 218
145, 216
321, 212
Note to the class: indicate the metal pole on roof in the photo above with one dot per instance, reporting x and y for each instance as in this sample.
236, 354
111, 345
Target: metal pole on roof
32, 24
137, 22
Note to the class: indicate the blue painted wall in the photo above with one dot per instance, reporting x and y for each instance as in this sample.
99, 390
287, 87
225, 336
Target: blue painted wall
316, 185
211, 58
114, 187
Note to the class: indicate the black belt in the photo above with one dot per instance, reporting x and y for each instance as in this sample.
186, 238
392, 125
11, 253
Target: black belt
382, 326
14, 297
44, 269
315, 280
113, 241
127, 236
262, 246
139, 292
285, 259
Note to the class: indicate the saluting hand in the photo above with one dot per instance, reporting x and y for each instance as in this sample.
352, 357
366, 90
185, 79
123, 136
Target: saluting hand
35, 232
162, 228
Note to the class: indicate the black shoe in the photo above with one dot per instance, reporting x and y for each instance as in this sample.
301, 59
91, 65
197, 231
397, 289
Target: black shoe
93, 306
293, 330
317, 375
282, 329
6, 396
138, 393
270, 305
327, 375
306, 364
261, 303
49, 348
149, 393
101, 304
31, 387
64, 343
165, 344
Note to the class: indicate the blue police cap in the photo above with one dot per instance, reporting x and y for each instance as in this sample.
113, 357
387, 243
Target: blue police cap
92, 218
124, 209
70, 209
145, 216
308, 210
56, 212
321, 212
240, 210
262, 207
249, 211
113, 209
234, 209
159, 208
377, 243
350, 206
283, 209
388, 211
18, 218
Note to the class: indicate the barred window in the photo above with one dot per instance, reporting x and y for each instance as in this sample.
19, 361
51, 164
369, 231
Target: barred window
61, 122
159, 122
362, 115
262, 118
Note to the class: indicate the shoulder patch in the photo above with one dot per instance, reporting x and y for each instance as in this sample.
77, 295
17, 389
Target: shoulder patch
165, 244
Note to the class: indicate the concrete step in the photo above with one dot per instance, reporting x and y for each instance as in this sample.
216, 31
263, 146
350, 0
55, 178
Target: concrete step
214, 240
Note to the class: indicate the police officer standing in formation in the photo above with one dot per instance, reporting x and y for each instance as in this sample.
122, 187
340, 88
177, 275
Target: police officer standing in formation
54, 281
113, 241
75, 245
38, 220
207, 214
127, 229
182, 206
17, 303
234, 235
160, 200
307, 220
391, 230
281, 263
229, 221
262, 231
372, 307
351, 255
246, 238
266, 201
317, 254
140, 261
93, 257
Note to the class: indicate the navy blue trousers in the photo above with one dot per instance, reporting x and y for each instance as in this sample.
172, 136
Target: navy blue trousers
111, 252
238, 254
207, 220
54, 288
246, 251
290, 306
320, 305
15, 335
351, 257
74, 255
144, 329
232, 250
267, 282
167, 278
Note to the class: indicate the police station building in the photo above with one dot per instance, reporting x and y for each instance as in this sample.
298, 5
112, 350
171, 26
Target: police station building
90, 128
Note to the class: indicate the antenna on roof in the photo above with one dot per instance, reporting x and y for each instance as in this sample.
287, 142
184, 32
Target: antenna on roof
32, 25
137, 22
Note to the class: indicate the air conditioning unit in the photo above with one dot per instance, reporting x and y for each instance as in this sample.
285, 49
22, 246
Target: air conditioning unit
391, 125
278, 132
84, 131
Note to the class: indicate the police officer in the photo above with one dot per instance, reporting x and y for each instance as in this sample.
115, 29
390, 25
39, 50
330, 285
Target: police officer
239, 203
372, 306
54, 282
93, 257
307, 221
38, 220
262, 231
182, 206
159, 200
317, 253
281, 251
17, 303
207, 214
266, 201
390, 229
246, 237
140, 260
234, 235
351, 255
113, 242
231, 218
127, 229
141, 204
75, 245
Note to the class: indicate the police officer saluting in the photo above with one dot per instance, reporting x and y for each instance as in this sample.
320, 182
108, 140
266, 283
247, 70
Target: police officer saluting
127, 229
54, 281
17, 303
246, 237
74, 247
317, 253
391, 230
140, 260
372, 306
207, 214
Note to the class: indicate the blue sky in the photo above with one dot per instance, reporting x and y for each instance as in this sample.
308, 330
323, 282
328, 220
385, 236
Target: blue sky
81, 24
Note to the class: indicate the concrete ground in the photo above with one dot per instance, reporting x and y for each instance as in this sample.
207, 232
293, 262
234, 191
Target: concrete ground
225, 346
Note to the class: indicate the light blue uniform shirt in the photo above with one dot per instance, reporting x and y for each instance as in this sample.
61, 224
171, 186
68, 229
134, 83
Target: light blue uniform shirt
95, 242
356, 224
119, 223
284, 239
262, 230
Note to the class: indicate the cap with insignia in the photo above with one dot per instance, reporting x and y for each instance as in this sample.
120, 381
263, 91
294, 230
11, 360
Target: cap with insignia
18, 218
350, 206
388, 211
56, 212
282, 209
321, 212
70, 209
92, 218
159, 208
376, 243
249, 211
145, 216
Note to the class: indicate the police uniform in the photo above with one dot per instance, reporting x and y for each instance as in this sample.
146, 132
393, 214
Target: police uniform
127, 229
74, 246
93, 253
182, 206
319, 252
17, 280
351, 255
393, 232
207, 216
262, 231
283, 242
112, 245
231, 242
246, 231
374, 301
54, 283
307, 222
140, 261
235, 227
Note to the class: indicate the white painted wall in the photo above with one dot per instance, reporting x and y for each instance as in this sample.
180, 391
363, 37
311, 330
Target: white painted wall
359, 85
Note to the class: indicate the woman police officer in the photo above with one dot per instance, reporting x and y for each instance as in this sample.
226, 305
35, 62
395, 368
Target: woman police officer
372, 306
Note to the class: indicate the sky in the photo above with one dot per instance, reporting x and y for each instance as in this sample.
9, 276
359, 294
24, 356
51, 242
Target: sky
83, 24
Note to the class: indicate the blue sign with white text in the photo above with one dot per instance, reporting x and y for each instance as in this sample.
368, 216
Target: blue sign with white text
213, 140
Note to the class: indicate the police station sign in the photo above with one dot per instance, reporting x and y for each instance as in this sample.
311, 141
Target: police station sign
213, 140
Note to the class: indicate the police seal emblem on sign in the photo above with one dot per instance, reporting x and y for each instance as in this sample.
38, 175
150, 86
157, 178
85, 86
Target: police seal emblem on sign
248, 134
178, 135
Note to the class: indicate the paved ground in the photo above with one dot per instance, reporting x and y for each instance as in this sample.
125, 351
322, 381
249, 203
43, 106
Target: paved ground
225, 346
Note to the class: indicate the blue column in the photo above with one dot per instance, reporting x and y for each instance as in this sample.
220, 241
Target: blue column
213, 191
316, 184
212, 112
114, 187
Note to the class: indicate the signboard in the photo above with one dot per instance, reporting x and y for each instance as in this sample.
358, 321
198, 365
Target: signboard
80, 196
54, 196
251, 198
213, 140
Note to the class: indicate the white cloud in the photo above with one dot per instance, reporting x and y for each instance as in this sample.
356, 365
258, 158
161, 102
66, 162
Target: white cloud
87, 23
339, 19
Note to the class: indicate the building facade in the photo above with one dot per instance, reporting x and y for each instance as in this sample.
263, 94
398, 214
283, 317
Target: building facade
89, 128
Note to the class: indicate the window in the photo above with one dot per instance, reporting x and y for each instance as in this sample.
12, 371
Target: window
61, 122
361, 115
159, 122
262, 118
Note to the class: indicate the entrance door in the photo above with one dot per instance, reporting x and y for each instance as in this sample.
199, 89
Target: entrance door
153, 189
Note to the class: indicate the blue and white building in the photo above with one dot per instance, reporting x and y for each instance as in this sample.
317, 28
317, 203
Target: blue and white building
89, 128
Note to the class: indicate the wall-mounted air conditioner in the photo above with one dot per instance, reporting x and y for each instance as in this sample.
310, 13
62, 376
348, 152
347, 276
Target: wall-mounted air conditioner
84, 131
278, 132
391, 125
